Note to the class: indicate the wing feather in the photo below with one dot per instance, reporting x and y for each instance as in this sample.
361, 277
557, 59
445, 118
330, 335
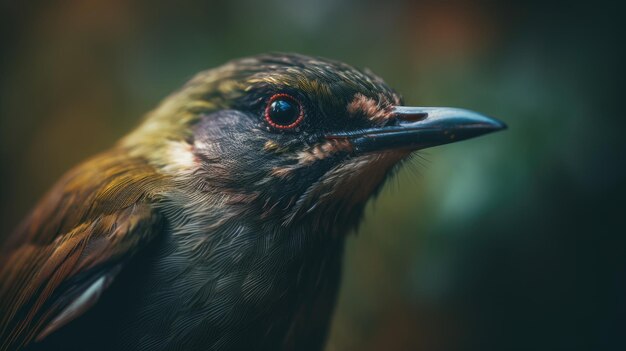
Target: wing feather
73, 244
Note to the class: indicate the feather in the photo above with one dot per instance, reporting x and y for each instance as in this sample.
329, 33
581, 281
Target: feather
74, 243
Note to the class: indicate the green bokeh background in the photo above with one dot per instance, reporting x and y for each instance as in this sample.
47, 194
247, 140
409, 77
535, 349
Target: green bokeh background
512, 241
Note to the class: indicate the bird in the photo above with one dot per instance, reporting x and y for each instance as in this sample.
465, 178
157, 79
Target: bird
219, 222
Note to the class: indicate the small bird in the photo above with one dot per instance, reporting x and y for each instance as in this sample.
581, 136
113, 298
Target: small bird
219, 222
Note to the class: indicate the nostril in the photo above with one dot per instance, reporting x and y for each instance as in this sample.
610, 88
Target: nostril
411, 117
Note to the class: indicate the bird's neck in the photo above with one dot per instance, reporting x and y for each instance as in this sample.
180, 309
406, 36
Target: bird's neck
277, 285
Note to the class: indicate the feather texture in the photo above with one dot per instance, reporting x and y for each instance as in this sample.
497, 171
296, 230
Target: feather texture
70, 248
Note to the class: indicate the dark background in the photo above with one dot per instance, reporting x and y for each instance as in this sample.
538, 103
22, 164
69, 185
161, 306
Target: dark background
513, 241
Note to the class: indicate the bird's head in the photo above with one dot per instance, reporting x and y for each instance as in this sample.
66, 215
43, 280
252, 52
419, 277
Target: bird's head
289, 136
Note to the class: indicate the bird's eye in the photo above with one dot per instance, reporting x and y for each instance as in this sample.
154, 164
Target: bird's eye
284, 112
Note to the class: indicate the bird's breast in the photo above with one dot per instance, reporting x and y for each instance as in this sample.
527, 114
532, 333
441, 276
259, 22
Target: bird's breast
239, 288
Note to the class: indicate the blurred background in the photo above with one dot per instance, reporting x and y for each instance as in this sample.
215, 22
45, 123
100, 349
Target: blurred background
512, 241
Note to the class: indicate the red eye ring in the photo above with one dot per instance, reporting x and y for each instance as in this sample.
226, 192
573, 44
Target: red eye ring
291, 125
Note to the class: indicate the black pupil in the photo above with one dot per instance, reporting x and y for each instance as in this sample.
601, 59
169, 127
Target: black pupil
283, 112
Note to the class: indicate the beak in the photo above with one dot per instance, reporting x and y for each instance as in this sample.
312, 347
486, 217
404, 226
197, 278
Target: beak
416, 128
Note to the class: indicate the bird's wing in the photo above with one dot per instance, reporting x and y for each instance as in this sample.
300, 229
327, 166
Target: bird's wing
71, 247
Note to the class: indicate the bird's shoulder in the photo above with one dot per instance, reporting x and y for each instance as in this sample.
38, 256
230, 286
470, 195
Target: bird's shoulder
72, 245
101, 186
